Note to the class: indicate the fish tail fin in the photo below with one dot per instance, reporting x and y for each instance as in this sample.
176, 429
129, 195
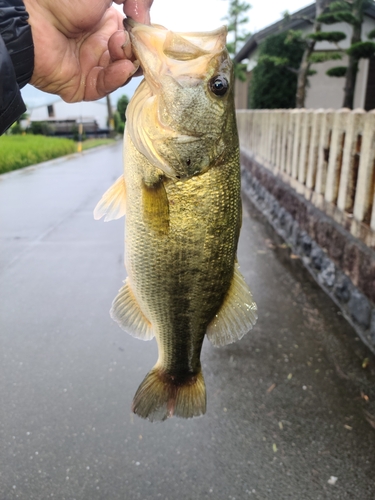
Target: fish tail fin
161, 396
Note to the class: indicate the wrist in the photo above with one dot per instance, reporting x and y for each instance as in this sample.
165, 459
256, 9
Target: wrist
16, 34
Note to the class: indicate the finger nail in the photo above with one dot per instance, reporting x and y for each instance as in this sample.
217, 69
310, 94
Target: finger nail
127, 40
136, 66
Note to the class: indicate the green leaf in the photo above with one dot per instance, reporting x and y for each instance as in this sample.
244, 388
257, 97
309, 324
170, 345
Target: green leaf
337, 71
311, 72
318, 57
371, 34
338, 6
327, 18
328, 36
294, 36
337, 17
274, 60
240, 71
362, 50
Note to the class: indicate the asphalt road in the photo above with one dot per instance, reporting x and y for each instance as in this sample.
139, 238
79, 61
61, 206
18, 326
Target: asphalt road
290, 407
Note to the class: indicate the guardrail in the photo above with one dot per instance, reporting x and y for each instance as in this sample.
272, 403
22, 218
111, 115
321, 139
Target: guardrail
326, 155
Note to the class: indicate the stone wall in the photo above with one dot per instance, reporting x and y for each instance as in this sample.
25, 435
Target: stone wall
342, 264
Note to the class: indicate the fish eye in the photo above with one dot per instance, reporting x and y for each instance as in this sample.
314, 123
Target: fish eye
219, 85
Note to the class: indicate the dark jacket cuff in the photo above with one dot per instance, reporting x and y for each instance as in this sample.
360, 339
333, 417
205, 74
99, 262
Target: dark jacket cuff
17, 36
16, 60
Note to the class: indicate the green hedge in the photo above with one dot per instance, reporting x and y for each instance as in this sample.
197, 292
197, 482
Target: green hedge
17, 151
273, 85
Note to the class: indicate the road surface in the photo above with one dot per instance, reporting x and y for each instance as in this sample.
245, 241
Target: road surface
290, 407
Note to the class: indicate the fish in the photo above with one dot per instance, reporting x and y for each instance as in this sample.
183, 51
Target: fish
181, 196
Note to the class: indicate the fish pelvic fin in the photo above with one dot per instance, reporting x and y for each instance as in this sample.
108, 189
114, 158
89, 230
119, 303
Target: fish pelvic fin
112, 203
127, 313
161, 396
237, 315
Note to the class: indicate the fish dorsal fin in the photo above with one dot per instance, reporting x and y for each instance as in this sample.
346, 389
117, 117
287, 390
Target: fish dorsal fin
112, 203
237, 315
127, 313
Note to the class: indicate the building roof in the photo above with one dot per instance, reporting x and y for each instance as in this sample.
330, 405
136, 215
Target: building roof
298, 20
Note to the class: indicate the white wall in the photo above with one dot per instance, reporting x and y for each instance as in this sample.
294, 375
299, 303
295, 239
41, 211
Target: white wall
96, 110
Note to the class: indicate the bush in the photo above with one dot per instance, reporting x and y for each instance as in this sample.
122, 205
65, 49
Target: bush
274, 85
40, 128
337, 71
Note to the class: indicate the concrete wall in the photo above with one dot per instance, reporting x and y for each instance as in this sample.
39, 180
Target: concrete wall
328, 92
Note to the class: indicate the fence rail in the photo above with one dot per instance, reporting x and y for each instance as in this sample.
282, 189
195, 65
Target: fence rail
326, 155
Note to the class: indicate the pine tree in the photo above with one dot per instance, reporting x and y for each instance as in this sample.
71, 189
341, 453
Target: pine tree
236, 19
305, 67
351, 12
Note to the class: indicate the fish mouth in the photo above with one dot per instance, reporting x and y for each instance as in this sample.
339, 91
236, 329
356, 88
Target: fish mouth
164, 52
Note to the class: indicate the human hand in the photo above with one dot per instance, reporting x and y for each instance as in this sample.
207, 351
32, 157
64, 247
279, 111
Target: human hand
81, 49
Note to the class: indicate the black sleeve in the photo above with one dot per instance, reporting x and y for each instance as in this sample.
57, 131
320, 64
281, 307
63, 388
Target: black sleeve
16, 60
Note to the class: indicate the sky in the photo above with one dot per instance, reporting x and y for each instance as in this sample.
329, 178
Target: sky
192, 15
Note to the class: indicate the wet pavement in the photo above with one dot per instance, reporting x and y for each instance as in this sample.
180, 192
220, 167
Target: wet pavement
291, 407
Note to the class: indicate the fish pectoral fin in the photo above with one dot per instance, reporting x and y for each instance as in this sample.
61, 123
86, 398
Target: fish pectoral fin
127, 313
237, 315
112, 203
155, 207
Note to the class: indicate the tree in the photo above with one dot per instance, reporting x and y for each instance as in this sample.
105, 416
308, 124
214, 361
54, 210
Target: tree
120, 117
274, 80
305, 68
122, 104
236, 18
351, 12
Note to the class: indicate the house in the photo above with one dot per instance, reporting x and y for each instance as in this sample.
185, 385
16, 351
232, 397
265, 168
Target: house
63, 116
323, 91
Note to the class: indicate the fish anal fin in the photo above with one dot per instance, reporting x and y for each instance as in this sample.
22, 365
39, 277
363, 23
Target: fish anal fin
155, 207
160, 396
237, 315
127, 313
112, 203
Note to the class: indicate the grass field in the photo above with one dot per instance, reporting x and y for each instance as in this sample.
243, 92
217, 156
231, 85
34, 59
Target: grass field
17, 151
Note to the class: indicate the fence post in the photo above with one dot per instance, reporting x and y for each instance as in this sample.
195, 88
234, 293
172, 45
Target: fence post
312, 165
284, 140
298, 117
340, 123
350, 160
305, 145
324, 151
364, 202
290, 140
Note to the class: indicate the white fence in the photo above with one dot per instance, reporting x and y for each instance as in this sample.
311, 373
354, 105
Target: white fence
326, 155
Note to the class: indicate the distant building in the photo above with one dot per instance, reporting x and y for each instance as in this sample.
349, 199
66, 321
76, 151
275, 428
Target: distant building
62, 117
323, 91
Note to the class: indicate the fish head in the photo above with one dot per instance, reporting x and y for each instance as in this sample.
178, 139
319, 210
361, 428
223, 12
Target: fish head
178, 116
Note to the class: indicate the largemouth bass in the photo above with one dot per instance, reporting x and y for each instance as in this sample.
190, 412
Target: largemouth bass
181, 194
